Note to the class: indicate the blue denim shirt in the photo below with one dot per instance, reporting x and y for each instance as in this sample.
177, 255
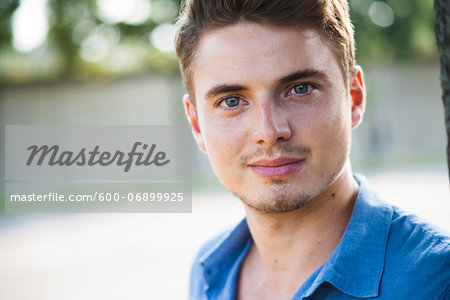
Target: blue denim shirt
384, 253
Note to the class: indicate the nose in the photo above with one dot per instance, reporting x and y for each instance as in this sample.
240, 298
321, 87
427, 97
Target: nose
270, 124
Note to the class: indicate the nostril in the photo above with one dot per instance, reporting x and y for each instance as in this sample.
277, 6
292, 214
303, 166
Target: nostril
270, 123
270, 136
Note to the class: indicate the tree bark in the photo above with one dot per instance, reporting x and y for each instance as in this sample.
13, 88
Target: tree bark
442, 9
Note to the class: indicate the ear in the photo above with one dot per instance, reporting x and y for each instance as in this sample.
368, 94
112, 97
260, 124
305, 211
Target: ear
358, 94
191, 115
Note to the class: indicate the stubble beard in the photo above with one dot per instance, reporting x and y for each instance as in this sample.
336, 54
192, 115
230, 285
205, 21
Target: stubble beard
278, 199
279, 203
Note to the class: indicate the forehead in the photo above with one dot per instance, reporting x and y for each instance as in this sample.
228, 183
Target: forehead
253, 54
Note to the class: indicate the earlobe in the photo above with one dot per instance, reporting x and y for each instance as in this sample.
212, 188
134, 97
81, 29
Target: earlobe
191, 115
358, 95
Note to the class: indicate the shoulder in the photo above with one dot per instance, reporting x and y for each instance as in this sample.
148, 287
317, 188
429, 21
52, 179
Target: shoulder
418, 256
416, 233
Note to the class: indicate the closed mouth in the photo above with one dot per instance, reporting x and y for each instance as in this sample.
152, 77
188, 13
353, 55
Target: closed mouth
279, 167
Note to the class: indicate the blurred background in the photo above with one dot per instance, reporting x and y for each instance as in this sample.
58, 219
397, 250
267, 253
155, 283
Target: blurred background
112, 62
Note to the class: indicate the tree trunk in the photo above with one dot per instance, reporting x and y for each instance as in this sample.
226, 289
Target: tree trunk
442, 9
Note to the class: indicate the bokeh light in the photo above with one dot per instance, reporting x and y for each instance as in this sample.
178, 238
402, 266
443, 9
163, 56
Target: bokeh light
129, 11
30, 25
162, 38
381, 14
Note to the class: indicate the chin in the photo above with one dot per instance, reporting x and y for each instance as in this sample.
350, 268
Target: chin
280, 201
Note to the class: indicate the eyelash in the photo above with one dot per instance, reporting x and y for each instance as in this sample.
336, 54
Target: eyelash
222, 100
312, 88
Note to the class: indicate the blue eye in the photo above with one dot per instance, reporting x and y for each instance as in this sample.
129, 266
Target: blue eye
232, 101
300, 89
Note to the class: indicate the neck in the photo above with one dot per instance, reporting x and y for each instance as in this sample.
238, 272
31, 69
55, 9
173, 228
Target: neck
289, 247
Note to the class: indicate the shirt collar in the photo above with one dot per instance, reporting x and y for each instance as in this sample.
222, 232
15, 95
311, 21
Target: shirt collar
225, 253
355, 266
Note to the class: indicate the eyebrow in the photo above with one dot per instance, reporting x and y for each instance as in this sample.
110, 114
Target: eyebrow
297, 75
307, 73
224, 88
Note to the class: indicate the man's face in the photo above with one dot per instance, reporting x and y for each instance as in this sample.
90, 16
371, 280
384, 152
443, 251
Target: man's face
272, 113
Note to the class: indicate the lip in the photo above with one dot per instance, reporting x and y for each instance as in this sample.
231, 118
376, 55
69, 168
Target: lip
276, 168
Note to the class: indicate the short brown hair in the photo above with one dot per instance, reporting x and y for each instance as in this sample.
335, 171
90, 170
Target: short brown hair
329, 17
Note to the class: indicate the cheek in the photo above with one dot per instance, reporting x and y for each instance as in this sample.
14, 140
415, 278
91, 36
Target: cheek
223, 141
329, 128
218, 135
338, 138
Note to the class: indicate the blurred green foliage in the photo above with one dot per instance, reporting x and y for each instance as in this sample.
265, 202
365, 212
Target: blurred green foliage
410, 37
82, 44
